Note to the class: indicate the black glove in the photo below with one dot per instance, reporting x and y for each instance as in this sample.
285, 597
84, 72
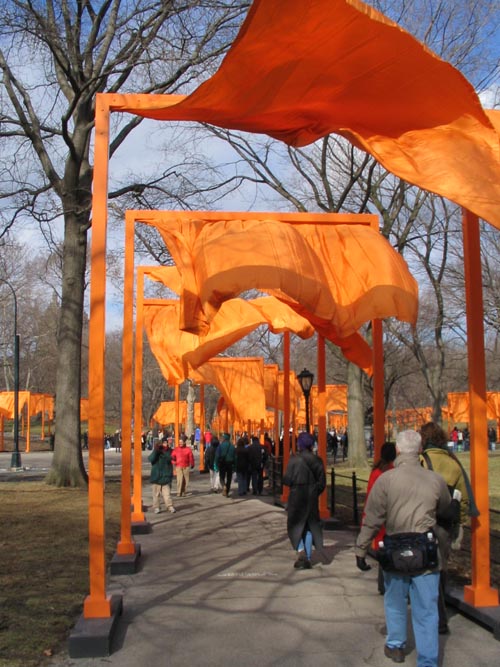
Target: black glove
362, 565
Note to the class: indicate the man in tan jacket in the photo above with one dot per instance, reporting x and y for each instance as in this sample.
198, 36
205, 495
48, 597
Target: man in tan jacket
407, 499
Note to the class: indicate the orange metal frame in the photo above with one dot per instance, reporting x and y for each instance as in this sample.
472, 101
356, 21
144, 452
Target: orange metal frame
98, 604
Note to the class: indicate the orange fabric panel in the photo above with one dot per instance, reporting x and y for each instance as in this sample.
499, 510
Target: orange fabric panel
168, 343
168, 275
295, 391
458, 406
336, 397
339, 66
177, 351
241, 383
271, 384
42, 402
340, 275
165, 414
336, 276
7, 402
238, 317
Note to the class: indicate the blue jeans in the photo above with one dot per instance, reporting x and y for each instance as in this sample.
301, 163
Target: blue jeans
306, 544
423, 590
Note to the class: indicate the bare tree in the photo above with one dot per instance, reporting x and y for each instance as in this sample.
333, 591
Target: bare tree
75, 49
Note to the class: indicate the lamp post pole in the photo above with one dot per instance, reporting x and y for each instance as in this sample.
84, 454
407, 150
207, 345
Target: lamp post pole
16, 454
305, 379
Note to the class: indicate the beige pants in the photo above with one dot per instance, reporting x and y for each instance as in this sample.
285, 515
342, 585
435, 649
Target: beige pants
182, 481
160, 490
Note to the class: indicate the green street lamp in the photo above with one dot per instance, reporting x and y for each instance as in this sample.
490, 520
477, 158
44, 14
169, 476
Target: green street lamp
16, 454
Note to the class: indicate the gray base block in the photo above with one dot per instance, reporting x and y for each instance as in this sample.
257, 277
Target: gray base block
93, 637
489, 617
126, 563
140, 527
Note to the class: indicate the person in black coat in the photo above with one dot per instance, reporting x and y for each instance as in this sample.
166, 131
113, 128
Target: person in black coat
305, 475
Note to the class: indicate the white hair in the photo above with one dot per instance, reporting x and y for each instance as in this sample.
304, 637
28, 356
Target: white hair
409, 442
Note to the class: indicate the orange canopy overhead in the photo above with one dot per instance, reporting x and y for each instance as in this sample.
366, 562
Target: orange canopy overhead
178, 351
165, 414
337, 276
241, 383
339, 66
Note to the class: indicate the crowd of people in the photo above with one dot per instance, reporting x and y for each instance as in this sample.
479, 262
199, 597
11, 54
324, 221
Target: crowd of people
418, 499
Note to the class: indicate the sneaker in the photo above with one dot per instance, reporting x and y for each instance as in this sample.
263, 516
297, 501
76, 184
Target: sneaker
224, 492
157, 510
172, 510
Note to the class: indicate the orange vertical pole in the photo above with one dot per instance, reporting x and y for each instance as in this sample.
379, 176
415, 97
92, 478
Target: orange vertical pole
321, 410
479, 593
378, 387
28, 423
286, 408
202, 428
97, 604
137, 513
42, 434
126, 544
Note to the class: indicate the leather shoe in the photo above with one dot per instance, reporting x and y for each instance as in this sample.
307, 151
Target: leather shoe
395, 654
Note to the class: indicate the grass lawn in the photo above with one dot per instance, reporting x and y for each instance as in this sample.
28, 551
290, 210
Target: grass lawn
44, 568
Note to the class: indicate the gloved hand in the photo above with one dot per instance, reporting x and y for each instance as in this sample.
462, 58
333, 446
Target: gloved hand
456, 543
362, 565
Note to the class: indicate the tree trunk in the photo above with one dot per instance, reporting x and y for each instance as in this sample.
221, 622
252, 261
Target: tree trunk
67, 462
356, 454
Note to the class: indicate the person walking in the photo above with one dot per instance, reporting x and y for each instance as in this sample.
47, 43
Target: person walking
385, 462
183, 458
210, 452
408, 501
241, 465
255, 464
161, 476
305, 475
436, 456
224, 462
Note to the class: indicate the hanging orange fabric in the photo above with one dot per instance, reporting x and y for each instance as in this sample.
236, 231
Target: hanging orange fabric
241, 383
337, 276
271, 384
7, 399
178, 351
339, 66
165, 414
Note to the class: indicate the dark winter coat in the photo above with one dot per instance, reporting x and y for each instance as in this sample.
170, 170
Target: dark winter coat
162, 469
255, 456
242, 462
305, 475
